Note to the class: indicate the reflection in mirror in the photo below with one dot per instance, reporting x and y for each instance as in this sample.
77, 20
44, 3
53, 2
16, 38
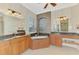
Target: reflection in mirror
1, 26
31, 24
9, 25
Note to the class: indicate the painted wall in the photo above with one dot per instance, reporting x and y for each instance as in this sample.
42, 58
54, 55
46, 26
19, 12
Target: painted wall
32, 15
75, 18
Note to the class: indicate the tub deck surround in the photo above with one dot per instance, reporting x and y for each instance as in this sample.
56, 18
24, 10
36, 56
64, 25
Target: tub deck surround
65, 33
57, 37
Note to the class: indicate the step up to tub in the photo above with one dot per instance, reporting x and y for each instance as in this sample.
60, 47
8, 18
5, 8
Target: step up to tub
70, 42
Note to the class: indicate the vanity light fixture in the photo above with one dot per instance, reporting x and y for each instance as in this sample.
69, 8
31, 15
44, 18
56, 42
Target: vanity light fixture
14, 13
63, 18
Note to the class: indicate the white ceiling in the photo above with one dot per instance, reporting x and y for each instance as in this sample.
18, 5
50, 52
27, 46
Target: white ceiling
38, 8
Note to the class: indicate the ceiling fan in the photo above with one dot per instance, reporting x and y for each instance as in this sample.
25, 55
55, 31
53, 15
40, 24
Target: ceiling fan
53, 4
13, 11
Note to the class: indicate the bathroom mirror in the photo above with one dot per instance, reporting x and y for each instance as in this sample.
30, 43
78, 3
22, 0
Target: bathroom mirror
31, 23
64, 25
1, 26
10, 25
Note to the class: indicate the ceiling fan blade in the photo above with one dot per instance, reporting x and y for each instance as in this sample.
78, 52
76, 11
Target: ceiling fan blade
46, 5
53, 4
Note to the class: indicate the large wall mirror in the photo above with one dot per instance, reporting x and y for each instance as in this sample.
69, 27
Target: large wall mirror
10, 25
31, 24
64, 22
1, 26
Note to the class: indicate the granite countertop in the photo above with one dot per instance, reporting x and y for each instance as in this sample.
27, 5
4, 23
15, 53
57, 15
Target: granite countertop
9, 37
65, 33
38, 37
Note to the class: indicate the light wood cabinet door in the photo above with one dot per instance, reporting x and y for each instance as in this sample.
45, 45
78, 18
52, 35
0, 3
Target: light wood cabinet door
5, 48
22, 45
28, 42
52, 39
40, 43
35, 44
19, 45
43, 43
56, 40
15, 47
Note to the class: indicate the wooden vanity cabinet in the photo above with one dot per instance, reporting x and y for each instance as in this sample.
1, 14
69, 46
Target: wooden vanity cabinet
56, 40
22, 45
52, 39
15, 46
19, 45
35, 44
5, 48
44, 43
28, 42
40, 43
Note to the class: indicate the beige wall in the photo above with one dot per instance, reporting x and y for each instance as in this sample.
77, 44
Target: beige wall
48, 16
75, 18
30, 14
72, 13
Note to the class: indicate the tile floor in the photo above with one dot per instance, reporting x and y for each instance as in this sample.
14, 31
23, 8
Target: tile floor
52, 50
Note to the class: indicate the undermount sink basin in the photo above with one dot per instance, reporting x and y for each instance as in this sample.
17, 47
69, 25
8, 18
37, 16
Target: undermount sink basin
38, 37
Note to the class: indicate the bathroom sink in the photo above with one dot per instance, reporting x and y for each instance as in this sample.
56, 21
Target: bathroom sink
38, 37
